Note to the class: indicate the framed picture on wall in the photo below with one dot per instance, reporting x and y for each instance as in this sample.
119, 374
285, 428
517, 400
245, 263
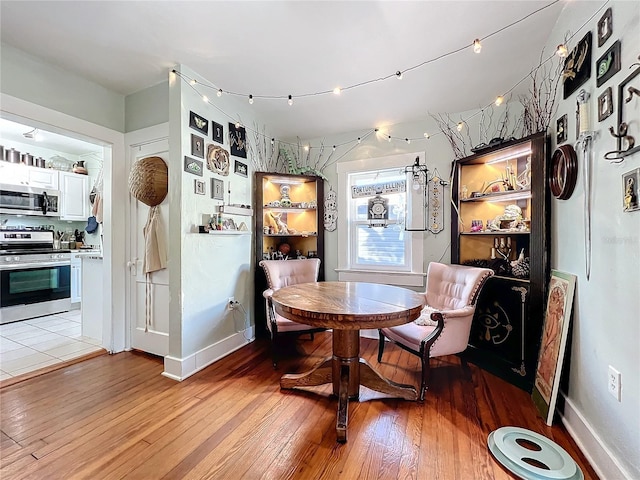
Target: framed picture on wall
217, 189
608, 64
197, 146
577, 66
198, 123
200, 187
554, 340
217, 131
605, 104
237, 141
240, 168
191, 165
605, 27
561, 129
631, 189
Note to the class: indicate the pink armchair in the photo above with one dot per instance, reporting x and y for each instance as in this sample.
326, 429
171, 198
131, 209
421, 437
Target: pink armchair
281, 273
443, 327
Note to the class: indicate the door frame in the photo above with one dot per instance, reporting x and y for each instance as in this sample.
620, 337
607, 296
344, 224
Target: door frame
13, 108
134, 139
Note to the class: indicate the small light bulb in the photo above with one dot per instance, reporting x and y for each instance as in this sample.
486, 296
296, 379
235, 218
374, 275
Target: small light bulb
337, 91
290, 100
359, 140
499, 100
459, 126
416, 183
376, 130
334, 148
562, 50
399, 75
219, 92
273, 141
205, 99
389, 138
408, 140
193, 81
426, 135
306, 148
477, 46
250, 99
237, 124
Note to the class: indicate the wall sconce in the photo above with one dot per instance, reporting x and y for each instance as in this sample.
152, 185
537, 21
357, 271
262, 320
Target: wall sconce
416, 175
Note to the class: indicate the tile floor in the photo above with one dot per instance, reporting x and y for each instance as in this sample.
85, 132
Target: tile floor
41, 342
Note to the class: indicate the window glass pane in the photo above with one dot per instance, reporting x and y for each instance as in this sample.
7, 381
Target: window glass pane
380, 246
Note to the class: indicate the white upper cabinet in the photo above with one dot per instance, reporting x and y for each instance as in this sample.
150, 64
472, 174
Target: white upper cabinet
74, 196
18, 174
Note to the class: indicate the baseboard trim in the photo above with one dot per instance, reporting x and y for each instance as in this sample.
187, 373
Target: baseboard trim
181, 368
600, 457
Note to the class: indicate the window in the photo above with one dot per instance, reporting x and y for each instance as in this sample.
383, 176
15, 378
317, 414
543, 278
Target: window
377, 254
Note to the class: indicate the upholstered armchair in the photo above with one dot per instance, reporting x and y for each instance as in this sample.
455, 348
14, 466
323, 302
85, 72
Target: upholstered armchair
444, 325
281, 273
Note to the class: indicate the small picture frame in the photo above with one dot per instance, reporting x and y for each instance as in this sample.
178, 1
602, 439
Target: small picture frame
605, 27
199, 187
312, 254
554, 342
197, 146
217, 132
631, 191
217, 189
605, 104
199, 123
608, 64
561, 129
193, 166
238, 141
240, 168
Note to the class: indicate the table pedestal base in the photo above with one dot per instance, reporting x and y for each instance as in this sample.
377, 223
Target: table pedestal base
347, 371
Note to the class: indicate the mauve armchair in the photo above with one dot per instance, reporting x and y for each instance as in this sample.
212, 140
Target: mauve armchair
281, 273
444, 326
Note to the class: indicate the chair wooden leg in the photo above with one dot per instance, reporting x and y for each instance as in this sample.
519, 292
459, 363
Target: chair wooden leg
274, 346
380, 346
425, 377
312, 336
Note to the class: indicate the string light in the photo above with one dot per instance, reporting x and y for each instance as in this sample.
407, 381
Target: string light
193, 81
399, 75
426, 135
237, 124
337, 91
290, 100
562, 50
205, 99
273, 141
477, 46
359, 140
306, 148
219, 93
389, 138
499, 100
334, 147
460, 126
408, 140
250, 99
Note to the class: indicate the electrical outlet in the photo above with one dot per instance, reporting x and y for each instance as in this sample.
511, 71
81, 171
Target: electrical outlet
231, 304
613, 383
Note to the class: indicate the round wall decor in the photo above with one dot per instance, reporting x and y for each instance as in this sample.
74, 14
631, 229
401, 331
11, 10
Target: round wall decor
148, 180
564, 172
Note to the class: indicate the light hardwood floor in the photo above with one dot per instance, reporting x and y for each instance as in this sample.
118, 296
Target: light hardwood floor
115, 417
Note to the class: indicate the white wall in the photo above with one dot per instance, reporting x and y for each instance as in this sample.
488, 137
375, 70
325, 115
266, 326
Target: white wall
606, 319
211, 268
29, 78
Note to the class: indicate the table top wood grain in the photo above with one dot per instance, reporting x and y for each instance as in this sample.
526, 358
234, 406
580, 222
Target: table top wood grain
348, 305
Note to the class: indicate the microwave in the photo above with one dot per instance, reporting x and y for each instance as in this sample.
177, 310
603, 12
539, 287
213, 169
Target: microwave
25, 200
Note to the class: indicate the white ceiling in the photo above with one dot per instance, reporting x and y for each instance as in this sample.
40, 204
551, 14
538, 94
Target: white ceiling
296, 47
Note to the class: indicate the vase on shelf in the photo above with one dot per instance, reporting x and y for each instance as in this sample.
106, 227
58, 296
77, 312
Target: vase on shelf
79, 167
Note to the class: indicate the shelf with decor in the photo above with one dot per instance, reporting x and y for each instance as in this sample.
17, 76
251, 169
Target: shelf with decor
501, 220
289, 217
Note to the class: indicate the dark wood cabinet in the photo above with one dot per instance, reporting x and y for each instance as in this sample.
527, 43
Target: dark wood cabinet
288, 224
501, 211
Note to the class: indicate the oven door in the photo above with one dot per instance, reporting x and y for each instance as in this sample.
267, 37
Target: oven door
27, 284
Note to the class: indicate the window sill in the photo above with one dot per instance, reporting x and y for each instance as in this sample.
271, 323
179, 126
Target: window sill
403, 279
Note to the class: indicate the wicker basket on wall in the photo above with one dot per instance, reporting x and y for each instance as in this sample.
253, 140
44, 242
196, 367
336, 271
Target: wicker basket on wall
148, 180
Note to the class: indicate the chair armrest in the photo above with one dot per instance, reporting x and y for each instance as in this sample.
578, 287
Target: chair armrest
457, 313
267, 293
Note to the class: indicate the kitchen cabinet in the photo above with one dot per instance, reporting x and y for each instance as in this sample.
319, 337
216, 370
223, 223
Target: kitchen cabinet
92, 303
76, 278
501, 212
74, 196
289, 217
19, 174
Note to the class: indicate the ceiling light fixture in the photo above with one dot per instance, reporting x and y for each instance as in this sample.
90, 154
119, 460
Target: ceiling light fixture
477, 46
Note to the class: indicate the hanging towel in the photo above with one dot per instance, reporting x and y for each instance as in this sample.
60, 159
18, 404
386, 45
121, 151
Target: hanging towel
96, 209
155, 257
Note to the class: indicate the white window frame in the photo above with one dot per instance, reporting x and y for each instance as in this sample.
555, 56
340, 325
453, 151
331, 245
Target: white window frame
414, 277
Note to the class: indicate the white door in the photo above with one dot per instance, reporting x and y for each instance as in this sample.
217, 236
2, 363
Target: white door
155, 339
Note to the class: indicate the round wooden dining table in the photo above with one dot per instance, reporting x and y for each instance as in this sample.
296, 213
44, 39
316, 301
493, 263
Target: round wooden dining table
346, 308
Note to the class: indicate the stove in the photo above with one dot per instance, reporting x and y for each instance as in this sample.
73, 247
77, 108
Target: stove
35, 278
